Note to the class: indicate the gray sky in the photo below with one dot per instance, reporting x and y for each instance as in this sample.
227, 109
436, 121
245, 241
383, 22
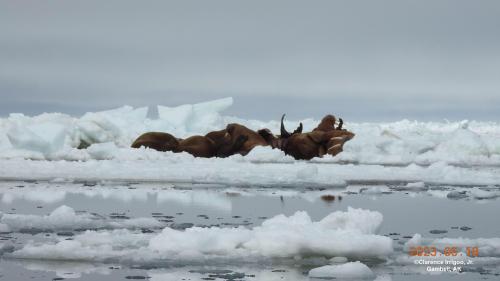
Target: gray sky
364, 60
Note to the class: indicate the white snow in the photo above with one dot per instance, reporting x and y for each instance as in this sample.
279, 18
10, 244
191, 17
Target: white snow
339, 234
56, 136
202, 117
151, 166
350, 270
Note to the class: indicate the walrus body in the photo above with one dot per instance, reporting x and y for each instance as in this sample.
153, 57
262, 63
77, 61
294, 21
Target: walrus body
324, 139
238, 139
253, 138
234, 139
157, 141
316, 144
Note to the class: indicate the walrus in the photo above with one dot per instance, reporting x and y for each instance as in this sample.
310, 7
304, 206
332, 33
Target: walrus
234, 139
324, 139
157, 140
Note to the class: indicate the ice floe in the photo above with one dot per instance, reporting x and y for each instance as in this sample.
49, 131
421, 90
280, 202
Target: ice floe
182, 168
348, 234
56, 136
350, 270
66, 218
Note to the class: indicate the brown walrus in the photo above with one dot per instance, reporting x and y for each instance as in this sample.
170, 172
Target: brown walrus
324, 139
235, 139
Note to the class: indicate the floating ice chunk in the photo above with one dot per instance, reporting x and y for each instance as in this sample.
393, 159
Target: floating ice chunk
415, 186
416, 240
374, 190
350, 270
338, 260
65, 218
197, 241
297, 235
360, 220
66, 250
278, 237
478, 193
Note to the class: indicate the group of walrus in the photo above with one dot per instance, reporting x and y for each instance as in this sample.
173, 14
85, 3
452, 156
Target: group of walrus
327, 138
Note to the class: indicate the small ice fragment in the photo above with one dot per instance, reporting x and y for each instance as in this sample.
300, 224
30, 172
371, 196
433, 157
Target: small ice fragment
350, 270
416, 186
338, 260
478, 193
456, 195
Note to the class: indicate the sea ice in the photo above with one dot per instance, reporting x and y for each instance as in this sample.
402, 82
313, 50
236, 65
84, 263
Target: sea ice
66, 218
55, 136
350, 270
347, 234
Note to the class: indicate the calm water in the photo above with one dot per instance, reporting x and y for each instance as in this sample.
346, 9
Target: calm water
405, 213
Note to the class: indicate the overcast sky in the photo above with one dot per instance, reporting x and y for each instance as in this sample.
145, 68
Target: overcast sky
364, 60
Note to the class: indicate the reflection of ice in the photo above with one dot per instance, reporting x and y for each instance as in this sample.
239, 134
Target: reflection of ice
204, 198
41, 195
122, 194
65, 269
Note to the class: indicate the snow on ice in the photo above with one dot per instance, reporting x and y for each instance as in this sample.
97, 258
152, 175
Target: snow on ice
348, 234
65, 218
350, 270
96, 146
56, 136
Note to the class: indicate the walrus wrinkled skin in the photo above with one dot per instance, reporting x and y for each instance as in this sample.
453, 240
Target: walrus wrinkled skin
324, 139
235, 139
